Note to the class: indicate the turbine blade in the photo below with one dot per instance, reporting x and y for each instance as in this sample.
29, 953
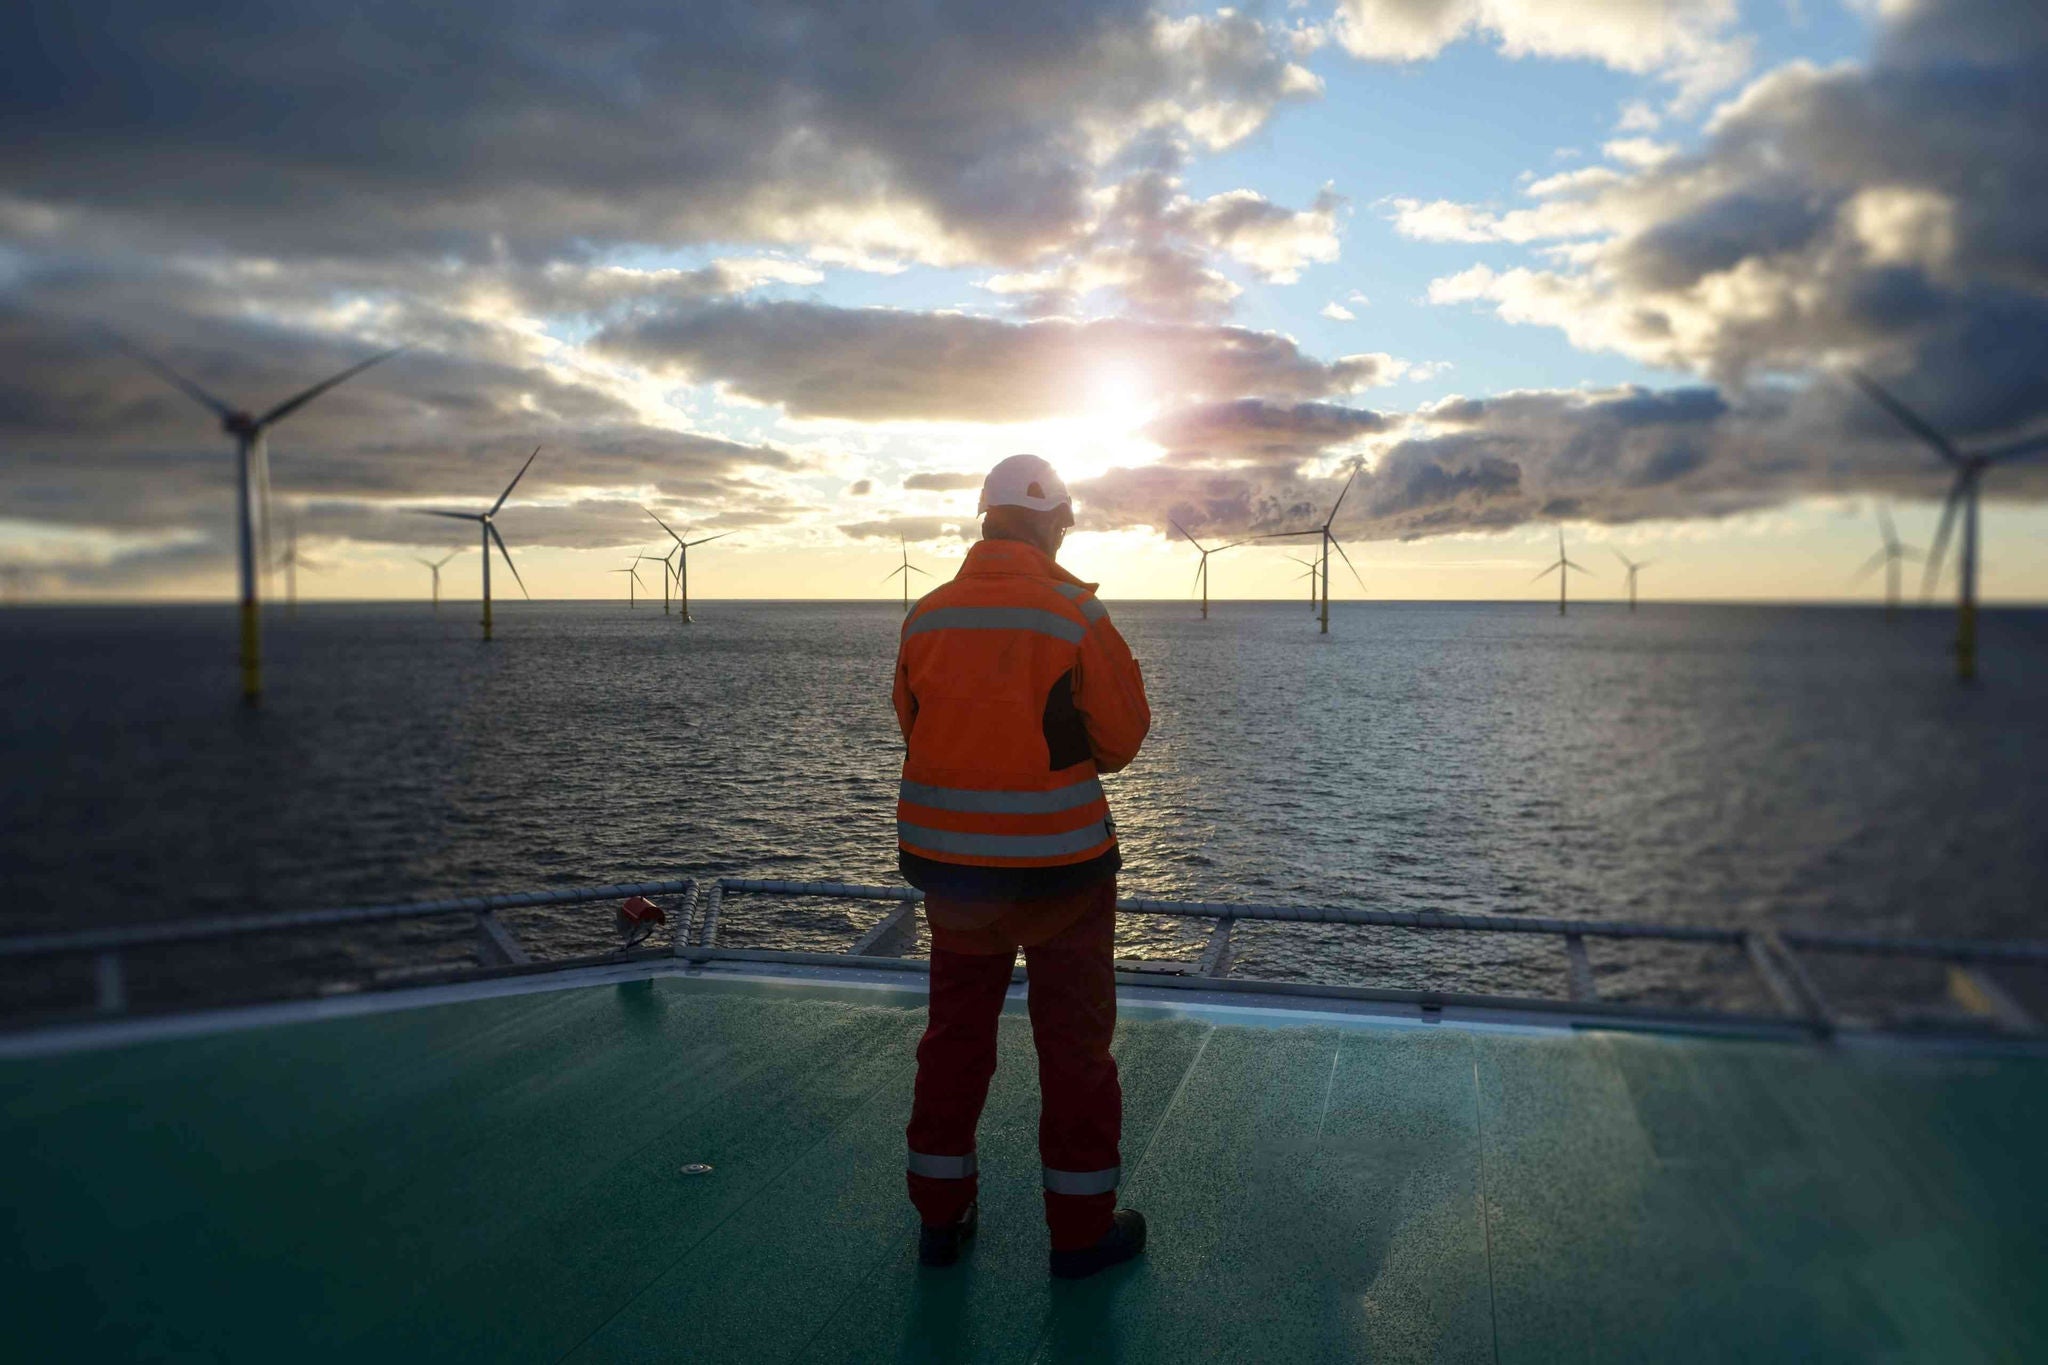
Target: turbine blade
1332, 518
1884, 523
1625, 560
914, 569
2024, 449
450, 555
1872, 565
893, 572
708, 539
1906, 417
1338, 546
638, 579
1184, 531
1196, 582
500, 540
1548, 572
515, 482
167, 374
662, 524
1569, 564
459, 516
293, 404
1948, 520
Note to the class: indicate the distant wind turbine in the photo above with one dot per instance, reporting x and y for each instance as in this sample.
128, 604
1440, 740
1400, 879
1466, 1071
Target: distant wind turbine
1962, 493
683, 561
1563, 569
632, 572
291, 561
1310, 575
436, 565
1634, 567
490, 533
645, 558
1889, 558
906, 568
1329, 540
252, 484
1202, 570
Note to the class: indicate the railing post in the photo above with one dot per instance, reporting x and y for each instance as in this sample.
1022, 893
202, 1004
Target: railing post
1579, 969
1216, 957
712, 900
891, 936
110, 984
495, 944
679, 937
1978, 991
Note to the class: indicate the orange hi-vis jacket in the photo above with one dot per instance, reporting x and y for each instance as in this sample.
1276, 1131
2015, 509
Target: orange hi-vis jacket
1014, 692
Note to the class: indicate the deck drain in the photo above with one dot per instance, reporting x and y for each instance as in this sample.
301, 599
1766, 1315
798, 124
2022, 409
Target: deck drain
697, 1168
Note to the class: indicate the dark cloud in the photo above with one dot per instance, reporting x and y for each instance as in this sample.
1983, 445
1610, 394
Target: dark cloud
1886, 213
528, 128
941, 483
1252, 429
860, 488
877, 364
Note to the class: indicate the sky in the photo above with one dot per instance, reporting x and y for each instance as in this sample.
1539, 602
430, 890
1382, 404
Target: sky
800, 273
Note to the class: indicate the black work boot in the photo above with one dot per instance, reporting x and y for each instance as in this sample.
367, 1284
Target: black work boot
942, 1245
1125, 1239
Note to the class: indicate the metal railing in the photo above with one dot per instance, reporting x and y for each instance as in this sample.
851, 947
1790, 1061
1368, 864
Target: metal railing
1778, 958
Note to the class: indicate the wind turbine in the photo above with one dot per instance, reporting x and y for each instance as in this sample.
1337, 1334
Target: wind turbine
906, 569
1563, 569
490, 533
1329, 541
683, 560
291, 561
435, 565
1963, 492
1634, 567
646, 558
1202, 570
1889, 557
252, 483
1311, 577
632, 571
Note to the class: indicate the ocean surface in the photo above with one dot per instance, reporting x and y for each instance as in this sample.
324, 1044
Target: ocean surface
1719, 765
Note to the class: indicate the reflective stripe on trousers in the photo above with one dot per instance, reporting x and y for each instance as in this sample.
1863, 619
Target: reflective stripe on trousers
941, 1167
1081, 1182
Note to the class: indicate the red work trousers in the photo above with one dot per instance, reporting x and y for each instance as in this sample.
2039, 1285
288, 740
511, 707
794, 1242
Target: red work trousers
1072, 997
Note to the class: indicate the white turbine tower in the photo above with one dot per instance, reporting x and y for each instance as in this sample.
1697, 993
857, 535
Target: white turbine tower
1962, 493
436, 565
1202, 570
906, 568
1563, 569
1889, 558
1634, 567
291, 561
490, 533
252, 484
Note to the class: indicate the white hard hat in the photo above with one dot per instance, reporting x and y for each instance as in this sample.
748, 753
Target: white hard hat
1022, 481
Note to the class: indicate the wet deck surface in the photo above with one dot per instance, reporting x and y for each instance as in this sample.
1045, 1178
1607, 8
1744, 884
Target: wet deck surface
500, 1180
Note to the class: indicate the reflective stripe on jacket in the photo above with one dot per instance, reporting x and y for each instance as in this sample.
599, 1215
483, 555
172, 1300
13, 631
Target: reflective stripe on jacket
1014, 691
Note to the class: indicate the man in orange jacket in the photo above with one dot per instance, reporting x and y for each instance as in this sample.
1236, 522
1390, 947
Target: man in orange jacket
1014, 692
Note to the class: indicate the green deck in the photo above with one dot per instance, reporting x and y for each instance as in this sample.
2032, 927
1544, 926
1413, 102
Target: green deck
499, 1180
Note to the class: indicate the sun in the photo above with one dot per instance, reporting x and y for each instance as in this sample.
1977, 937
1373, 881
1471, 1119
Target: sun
1118, 396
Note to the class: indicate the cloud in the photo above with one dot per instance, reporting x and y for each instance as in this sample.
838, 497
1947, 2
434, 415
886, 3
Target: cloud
860, 488
1684, 41
972, 131
1853, 213
913, 528
1337, 312
1254, 430
878, 364
941, 483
